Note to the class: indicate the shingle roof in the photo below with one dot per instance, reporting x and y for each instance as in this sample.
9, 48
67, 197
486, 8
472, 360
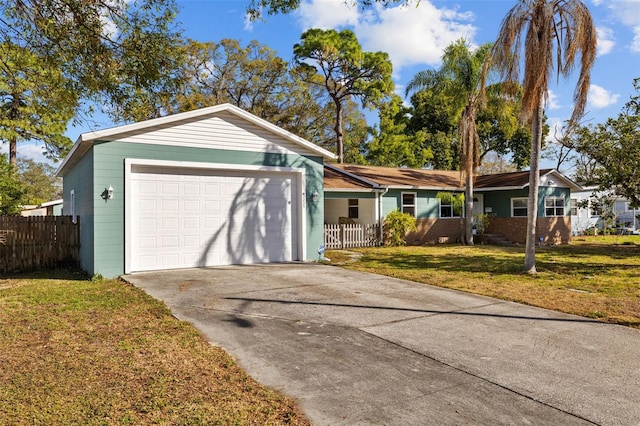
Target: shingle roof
352, 176
373, 176
512, 179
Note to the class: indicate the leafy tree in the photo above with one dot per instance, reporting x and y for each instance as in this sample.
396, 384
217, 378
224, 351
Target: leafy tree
106, 50
556, 34
391, 144
35, 102
460, 76
11, 190
346, 71
39, 182
615, 147
432, 120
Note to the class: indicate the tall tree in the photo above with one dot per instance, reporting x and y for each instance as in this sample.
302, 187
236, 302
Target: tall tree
615, 147
11, 189
392, 145
347, 71
35, 102
556, 34
39, 180
460, 77
106, 50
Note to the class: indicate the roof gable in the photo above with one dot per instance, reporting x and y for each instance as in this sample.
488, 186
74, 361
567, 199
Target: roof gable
199, 128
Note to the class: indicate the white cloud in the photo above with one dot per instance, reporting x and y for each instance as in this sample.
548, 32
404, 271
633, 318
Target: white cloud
425, 30
327, 14
599, 97
635, 43
552, 100
605, 40
31, 150
248, 23
626, 11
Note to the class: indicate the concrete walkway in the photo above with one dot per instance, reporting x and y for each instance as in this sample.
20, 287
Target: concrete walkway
363, 349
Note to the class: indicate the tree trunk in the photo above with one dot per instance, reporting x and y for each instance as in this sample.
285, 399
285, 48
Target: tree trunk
468, 135
13, 152
468, 199
534, 183
338, 130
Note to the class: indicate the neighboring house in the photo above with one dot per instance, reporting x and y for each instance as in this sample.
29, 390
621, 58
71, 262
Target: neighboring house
214, 186
50, 208
586, 215
366, 194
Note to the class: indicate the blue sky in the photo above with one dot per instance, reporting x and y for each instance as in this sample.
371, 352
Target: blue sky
415, 36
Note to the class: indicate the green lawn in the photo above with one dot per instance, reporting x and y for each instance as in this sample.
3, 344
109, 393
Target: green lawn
76, 351
596, 277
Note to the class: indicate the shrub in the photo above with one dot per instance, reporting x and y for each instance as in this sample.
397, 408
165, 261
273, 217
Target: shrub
396, 225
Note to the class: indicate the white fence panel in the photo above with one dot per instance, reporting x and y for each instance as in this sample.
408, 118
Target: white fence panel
341, 236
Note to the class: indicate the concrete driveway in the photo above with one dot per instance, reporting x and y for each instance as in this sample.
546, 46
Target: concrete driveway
355, 348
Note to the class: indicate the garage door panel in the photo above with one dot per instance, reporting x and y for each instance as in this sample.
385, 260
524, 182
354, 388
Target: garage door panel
210, 219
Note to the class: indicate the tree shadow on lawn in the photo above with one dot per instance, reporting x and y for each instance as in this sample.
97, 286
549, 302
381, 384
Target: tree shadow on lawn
503, 260
69, 274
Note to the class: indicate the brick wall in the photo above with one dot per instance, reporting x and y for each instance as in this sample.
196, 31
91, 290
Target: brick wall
554, 230
436, 231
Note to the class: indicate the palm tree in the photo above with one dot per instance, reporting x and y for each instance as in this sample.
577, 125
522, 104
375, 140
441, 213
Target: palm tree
460, 77
556, 34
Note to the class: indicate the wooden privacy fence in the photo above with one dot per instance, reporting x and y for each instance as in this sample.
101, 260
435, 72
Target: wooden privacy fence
37, 242
342, 236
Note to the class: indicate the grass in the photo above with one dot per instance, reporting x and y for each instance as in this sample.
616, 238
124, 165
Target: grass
77, 351
595, 277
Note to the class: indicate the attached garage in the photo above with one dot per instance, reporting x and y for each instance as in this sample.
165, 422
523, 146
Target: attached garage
216, 186
184, 217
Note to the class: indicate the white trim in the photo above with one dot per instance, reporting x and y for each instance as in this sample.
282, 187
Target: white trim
340, 190
452, 211
297, 171
554, 198
415, 202
519, 198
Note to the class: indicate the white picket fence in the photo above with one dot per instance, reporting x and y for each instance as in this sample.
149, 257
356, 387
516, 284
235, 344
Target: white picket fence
342, 236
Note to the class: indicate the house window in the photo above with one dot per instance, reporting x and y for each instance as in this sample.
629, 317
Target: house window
574, 206
447, 210
519, 207
594, 208
554, 206
409, 203
353, 208
72, 205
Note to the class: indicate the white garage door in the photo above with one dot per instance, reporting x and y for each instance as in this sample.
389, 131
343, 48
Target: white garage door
182, 218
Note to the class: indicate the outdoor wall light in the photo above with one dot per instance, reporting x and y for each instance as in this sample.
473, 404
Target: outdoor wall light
107, 194
315, 196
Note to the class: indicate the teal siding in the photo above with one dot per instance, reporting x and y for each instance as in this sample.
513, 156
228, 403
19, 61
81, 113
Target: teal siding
80, 180
109, 170
500, 201
427, 204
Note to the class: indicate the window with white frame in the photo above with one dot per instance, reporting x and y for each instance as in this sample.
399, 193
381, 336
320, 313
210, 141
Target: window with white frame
447, 210
353, 208
573, 203
554, 206
519, 207
409, 203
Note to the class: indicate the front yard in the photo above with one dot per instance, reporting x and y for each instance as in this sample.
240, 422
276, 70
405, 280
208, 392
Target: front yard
76, 351
595, 277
